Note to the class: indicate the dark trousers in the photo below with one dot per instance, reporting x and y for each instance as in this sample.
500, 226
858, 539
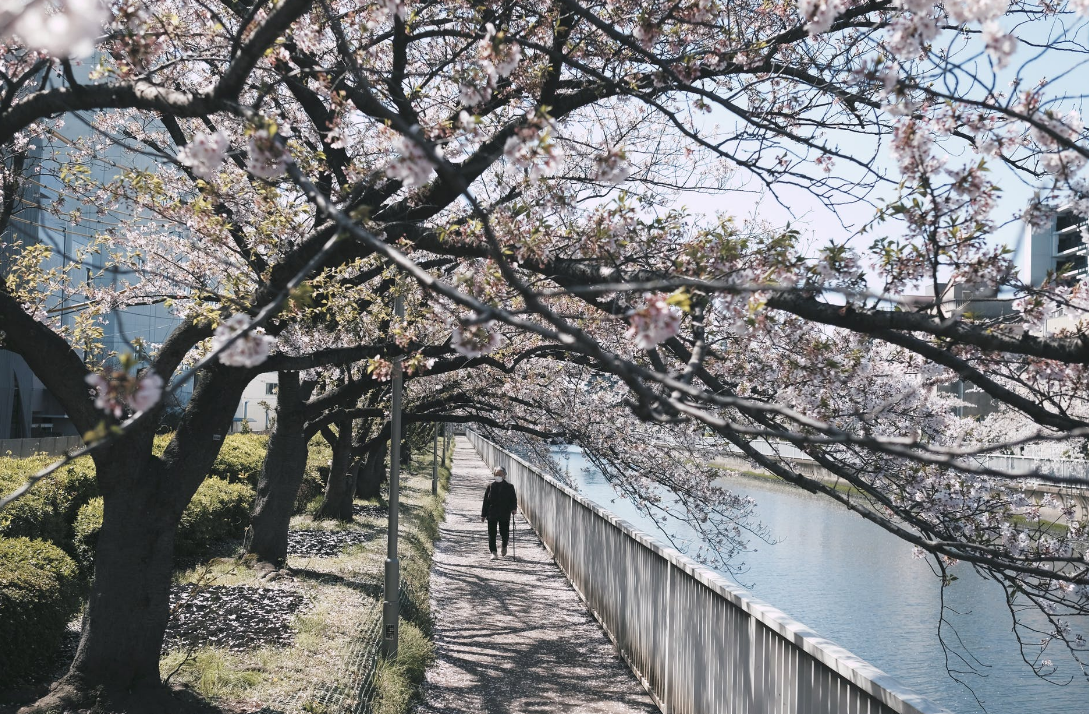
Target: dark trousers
504, 530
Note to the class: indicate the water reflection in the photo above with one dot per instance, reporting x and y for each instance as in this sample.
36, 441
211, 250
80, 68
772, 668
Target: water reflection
859, 586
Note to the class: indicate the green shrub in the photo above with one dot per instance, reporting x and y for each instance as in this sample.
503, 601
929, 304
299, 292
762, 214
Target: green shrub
49, 509
240, 458
39, 594
85, 534
318, 456
218, 510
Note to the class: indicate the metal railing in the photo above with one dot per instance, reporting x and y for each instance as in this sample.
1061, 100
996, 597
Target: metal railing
49, 445
698, 643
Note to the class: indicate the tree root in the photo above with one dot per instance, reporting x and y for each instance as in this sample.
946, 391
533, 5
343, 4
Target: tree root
69, 698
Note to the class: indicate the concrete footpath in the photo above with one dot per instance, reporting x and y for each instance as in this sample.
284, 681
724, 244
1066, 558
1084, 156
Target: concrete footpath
512, 636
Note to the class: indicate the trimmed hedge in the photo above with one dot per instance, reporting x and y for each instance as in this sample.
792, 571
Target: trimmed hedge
318, 457
241, 458
39, 594
49, 509
218, 510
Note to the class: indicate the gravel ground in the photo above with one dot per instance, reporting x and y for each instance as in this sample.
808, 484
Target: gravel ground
512, 636
325, 544
235, 617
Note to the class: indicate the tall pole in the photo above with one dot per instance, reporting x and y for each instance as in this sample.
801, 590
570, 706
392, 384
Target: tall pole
391, 596
435, 462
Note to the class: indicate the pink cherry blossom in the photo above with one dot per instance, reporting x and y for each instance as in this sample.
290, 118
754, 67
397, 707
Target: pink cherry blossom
612, 167
267, 159
118, 389
205, 153
148, 392
411, 166
476, 340
61, 28
249, 350
654, 323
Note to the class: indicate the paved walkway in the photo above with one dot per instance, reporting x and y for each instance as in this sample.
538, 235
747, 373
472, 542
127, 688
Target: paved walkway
512, 636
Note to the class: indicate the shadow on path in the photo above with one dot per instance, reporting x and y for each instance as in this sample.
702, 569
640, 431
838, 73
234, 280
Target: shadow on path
512, 636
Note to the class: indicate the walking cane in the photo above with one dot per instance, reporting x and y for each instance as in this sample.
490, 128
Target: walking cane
513, 532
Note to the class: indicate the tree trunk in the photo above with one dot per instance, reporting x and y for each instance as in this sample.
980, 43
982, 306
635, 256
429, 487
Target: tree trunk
117, 662
373, 473
129, 604
338, 491
281, 476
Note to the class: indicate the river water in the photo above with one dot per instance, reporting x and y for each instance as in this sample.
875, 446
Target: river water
857, 585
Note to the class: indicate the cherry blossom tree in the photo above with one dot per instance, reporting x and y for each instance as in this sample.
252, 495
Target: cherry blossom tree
517, 167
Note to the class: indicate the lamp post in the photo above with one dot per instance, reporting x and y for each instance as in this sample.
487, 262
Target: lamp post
435, 462
391, 594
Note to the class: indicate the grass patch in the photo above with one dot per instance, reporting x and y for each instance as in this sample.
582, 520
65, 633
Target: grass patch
397, 681
343, 592
212, 673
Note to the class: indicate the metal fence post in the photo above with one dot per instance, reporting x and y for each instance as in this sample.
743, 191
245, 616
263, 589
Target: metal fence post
391, 593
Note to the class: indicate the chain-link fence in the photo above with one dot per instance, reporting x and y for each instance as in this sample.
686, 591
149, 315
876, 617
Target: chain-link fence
353, 691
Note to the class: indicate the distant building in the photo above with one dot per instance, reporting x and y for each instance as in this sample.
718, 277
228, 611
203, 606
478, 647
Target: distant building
1058, 248
27, 409
1059, 251
978, 303
257, 409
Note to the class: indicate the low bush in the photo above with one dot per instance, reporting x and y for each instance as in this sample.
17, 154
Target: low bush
39, 594
319, 454
49, 509
240, 458
218, 510
85, 534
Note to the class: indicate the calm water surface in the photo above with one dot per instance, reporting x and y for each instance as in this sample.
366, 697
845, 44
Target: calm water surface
858, 586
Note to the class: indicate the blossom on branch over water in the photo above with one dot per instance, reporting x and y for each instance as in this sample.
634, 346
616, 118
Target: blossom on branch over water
249, 350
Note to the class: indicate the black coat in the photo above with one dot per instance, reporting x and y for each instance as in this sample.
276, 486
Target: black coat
499, 501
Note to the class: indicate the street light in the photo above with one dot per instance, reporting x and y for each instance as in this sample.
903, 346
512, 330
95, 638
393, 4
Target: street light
392, 590
435, 463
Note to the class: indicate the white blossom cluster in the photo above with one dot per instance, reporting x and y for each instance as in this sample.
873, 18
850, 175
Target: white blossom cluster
655, 322
249, 350
205, 153
476, 340
267, 159
534, 148
118, 390
411, 166
61, 28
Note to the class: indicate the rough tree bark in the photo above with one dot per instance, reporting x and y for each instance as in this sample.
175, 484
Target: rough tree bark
373, 472
117, 663
337, 502
281, 475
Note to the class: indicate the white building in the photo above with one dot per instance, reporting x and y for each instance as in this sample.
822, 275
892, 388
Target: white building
1059, 250
257, 408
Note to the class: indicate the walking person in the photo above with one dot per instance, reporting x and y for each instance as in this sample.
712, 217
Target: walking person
500, 502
